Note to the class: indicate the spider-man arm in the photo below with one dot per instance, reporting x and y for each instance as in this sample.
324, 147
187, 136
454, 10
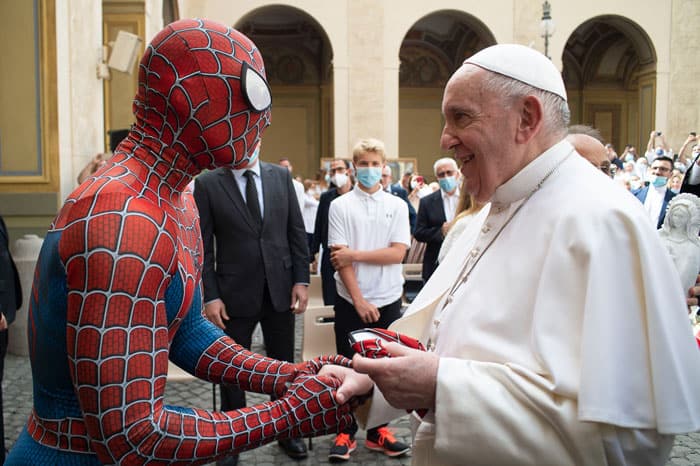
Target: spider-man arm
119, 259
204, 350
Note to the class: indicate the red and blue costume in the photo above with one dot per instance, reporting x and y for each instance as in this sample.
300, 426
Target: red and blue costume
117, 287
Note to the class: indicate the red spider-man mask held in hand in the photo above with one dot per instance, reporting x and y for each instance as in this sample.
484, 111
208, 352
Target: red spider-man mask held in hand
203, 92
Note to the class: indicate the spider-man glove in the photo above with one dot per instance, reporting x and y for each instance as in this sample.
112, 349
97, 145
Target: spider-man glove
312, 366
311, 408
289, 372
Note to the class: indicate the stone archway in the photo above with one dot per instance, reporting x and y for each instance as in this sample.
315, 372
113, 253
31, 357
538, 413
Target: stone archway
610, 76
433, 48
297, 55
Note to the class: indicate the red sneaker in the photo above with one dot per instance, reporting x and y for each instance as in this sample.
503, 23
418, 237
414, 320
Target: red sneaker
382, 439
343, 445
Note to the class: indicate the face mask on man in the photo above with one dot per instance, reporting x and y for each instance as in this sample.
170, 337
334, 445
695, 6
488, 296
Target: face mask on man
339, 179
659, 181
448, 183
629, 158
369, 176
636, 184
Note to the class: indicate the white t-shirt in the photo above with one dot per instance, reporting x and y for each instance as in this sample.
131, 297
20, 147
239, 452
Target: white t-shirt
367, 222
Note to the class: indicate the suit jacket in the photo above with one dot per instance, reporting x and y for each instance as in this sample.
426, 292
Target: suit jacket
686, 187
429, 221
642, 196
397, 190
248, 257
320, 238
10, 287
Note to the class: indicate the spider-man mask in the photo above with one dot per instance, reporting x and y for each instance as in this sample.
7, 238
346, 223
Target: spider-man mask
203, 92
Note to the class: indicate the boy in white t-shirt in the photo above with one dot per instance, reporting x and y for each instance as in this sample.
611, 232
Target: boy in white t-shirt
368, 234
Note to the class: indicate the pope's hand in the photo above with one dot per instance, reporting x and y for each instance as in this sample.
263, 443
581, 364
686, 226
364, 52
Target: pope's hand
407, 379
352, 384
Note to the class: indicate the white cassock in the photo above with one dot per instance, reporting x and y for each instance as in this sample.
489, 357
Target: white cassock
568, 343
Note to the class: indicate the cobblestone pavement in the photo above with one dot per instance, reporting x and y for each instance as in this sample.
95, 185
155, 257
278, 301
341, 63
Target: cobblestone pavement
17, 394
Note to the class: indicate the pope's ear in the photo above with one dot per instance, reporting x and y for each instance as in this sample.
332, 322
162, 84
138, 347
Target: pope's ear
530, 118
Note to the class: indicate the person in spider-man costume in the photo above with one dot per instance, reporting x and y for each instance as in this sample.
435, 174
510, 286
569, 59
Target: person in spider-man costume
117, 287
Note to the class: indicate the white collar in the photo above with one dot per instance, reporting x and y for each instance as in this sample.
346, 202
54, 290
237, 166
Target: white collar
448, 197
238, 172
525, 181
364, 195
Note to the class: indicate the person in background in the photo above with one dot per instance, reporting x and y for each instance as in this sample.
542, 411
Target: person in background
675, 183
589, 143
656, 196
690, 142
323, 180
436, 211
630, 154
691, 180
310, 208
532, 356
613, 157
467, 209
342, 182
298, 185
406, 180
368, 234
398, 191
256, 263
10, 302
417, 190
657, 146
641, 167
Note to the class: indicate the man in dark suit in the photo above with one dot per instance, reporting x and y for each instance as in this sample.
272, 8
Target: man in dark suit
256, 263
398, 191
691, 180
656, 196
341, 174
10, 301
436, 211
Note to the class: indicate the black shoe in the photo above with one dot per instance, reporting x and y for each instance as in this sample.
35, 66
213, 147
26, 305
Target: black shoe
228, 461
294, 448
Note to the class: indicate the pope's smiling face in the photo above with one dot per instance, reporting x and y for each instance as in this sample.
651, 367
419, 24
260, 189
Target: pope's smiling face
480, 128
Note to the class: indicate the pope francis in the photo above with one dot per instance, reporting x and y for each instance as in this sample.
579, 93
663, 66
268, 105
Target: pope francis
558, 333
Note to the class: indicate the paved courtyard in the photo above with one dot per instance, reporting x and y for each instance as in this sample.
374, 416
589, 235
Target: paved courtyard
17, 394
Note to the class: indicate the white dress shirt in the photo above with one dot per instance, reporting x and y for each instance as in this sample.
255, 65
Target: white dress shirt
242, 182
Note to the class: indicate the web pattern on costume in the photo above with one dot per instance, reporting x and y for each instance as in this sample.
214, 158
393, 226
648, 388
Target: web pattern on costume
117, 289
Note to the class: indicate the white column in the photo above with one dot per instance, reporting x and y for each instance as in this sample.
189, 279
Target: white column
391, 109
341, 109
80, 92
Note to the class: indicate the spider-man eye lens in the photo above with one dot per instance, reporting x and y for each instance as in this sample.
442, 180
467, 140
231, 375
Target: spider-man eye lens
255, 89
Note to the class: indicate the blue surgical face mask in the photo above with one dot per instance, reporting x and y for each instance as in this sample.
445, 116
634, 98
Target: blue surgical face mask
675, 191
629, 158
448, 183
369, 176
659, 181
